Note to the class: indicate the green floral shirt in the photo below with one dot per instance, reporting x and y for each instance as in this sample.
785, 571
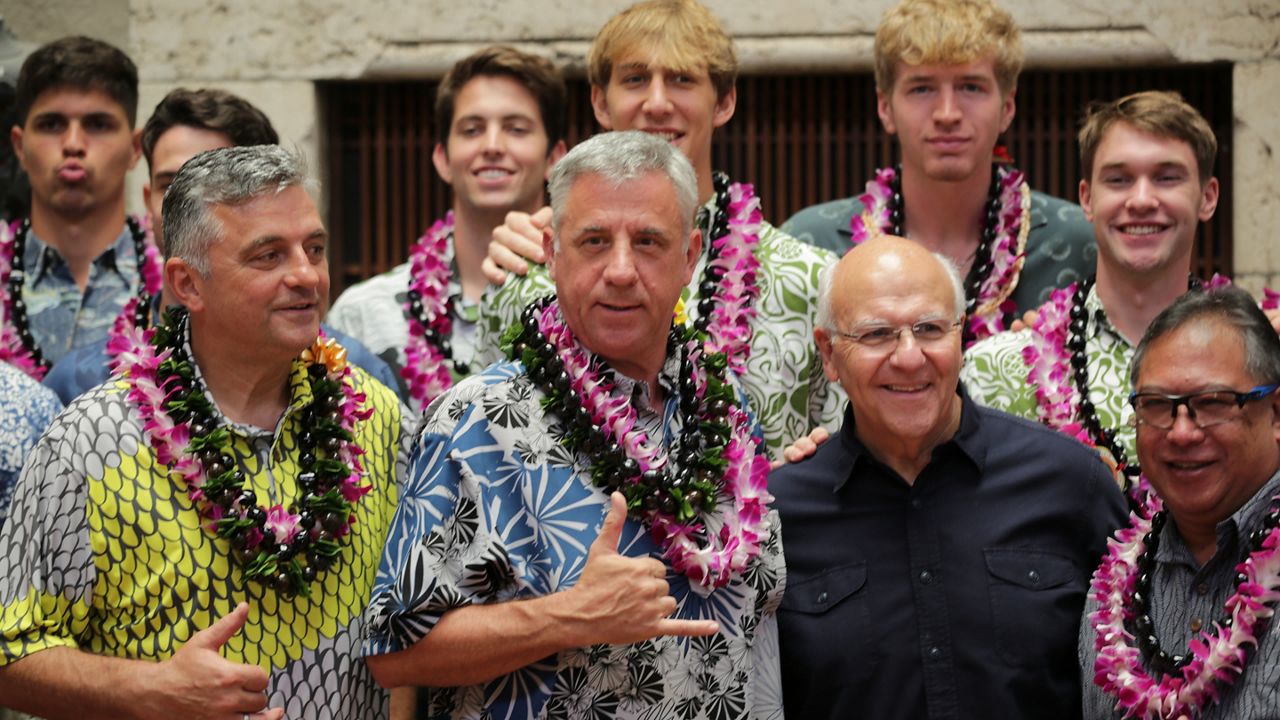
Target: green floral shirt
995, 374
784, 379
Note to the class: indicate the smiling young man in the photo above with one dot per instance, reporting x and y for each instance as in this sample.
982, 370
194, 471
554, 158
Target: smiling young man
946, 83
75, 260
500, 118
668, 68
1148, 160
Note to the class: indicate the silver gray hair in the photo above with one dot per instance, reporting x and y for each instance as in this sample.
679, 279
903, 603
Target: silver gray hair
826, 316
618, 157
226, 176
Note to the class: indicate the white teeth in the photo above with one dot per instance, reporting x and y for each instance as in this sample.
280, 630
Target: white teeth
907, 388
493, 173
1142, 229
668, 136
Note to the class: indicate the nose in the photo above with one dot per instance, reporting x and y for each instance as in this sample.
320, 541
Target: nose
620, 269
1184, 430
73, 140
947, 109
493, 139
1143, 196
907, 353
303, 271
656, 101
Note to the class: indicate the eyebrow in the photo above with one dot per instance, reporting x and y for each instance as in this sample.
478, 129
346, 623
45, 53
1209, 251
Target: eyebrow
266, 240
505, 118
1163, 165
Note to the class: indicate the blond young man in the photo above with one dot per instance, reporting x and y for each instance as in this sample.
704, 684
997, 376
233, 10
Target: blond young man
946, 85
667, 67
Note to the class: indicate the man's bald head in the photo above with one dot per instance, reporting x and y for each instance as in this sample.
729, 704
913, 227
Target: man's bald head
883, 258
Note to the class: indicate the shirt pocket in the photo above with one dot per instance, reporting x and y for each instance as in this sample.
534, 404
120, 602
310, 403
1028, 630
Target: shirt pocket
825, 619
1036, 601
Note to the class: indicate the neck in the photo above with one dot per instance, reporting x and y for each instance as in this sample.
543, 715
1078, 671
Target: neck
1201, 540
472, 231
946, 217
908, 456
248, 390
79, 239
706, 188
1133, 300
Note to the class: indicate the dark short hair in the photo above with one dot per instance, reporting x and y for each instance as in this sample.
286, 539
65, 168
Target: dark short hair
81, 63
208, 109
535, 74
1229, 305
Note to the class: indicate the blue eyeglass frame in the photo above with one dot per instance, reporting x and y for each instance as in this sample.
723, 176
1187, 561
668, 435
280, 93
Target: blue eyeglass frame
1255, 393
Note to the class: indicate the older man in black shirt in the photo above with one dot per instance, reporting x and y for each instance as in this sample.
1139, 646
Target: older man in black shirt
938, 552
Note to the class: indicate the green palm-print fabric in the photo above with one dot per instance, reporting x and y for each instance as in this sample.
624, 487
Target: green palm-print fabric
995, 374
784, 381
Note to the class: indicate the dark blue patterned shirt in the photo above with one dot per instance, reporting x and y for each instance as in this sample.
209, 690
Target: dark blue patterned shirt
26, 409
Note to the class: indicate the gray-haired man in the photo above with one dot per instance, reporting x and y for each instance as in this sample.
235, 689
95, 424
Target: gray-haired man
168, 556
514, 546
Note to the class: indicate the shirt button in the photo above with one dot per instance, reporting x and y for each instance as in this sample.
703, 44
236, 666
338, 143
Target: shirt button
1196, 624
935, 652
1033, 577
822, 596
1202, 589
926, 577
916, 504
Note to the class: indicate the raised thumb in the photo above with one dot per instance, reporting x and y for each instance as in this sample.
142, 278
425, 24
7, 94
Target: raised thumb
611, 529
213, 637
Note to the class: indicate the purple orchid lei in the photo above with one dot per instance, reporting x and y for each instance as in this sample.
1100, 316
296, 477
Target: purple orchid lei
734, 269
708, 547
22, 354
1217, 656
178, 426
1007, 249
426, 366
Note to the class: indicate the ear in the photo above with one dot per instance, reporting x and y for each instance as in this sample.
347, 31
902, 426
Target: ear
1208, 200
693, 254
136, 143
557, 151
146, 193
884, 108
826, 348
600, 105
15, 139
1008, 109
184, 284
440, 158
1086, 195
725, 107
548, 248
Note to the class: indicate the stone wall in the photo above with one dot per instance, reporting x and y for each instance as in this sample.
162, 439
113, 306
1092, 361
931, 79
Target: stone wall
272, 52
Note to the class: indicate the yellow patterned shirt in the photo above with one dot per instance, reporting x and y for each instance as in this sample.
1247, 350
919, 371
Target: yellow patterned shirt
104, 552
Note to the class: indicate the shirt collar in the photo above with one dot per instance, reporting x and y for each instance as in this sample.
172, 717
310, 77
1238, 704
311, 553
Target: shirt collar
668, 380
1098, 322
968, 441
42, 258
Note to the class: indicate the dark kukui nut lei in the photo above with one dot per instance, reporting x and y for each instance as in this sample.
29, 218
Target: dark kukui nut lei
323, 514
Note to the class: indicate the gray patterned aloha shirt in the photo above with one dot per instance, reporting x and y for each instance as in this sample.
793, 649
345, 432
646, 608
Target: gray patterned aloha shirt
995, 374
1060, 246
61, 317
788, 391
494, 509
105, 552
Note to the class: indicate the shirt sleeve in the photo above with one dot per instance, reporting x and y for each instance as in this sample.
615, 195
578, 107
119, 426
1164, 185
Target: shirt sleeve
995, 375
47, 568
501, 307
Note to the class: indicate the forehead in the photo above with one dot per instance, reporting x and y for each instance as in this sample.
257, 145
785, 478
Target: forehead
653, 56
1205, 354
75, 101
648, 201
493, 96
892, 289
288, 213
180, 143
1125, 145
983, 68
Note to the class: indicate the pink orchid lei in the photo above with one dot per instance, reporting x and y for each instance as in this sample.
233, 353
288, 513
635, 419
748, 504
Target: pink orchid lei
733, 268
269, 543
719, 533
1217, 656
1007, 249
13, 314
426, 368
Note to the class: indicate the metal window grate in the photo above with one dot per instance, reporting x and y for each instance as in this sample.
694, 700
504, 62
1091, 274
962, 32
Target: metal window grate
800, 139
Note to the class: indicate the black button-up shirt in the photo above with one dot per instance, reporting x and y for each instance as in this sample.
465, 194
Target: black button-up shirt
958, 596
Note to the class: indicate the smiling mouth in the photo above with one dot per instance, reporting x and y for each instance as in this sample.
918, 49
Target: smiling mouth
906, 388
494, 174
668, 135
1188, 465
1145, 229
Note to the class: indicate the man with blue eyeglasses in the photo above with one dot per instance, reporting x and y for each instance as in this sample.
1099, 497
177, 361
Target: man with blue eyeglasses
1178, 616
932, 541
